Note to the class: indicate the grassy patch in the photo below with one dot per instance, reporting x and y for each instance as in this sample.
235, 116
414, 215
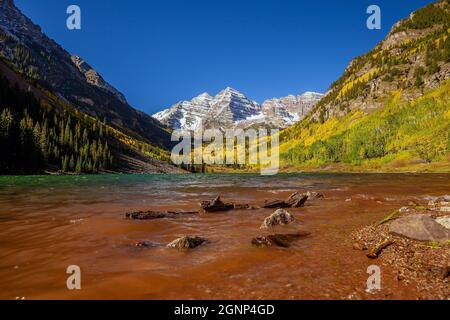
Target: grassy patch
392, 216
434, 245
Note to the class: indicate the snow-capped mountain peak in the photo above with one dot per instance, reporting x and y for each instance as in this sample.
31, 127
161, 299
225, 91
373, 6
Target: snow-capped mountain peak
231, 108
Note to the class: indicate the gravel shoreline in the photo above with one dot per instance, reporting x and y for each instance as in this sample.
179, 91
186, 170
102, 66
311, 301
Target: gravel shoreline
424, 265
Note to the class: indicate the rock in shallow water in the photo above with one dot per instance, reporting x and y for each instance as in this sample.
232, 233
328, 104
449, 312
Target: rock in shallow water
314, 195
280, 217
154, 215
419, 227
274, 204
145, 244
216, 205
187, 242
295, 200
278, 240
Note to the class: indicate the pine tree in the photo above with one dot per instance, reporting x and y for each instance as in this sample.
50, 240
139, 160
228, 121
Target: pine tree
65, 164
85, 136
72, 163
78, 167
43, 142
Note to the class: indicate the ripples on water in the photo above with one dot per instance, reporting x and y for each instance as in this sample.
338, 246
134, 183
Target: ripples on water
50, 222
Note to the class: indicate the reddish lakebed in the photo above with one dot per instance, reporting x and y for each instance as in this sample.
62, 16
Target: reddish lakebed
49, 223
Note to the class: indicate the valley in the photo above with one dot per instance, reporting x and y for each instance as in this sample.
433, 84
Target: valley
348, 183
388, 112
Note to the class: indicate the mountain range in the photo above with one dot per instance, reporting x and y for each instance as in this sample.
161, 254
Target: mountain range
232, 109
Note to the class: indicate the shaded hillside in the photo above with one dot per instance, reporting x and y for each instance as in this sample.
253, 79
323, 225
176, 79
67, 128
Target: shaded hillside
41, 132
46, 64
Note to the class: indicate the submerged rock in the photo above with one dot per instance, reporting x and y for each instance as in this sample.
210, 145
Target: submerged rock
275, 204
145, 244
187, 242
280, 217
217, 205
153, 215
147, 215
243, 207
278, 240
419, 227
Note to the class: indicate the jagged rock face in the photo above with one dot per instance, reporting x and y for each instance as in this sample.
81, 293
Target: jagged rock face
95, 79
18, 26
186, 115
229, 107
36, 57
232, 109
291, 109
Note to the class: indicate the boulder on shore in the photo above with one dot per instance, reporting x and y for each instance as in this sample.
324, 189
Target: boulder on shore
187, 242
419, 227
444, 221
278, 240
280, 217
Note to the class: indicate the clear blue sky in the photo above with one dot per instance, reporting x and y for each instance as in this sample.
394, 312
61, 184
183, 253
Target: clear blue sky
158, 52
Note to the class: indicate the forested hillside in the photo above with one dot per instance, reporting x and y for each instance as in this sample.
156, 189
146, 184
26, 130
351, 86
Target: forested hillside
34, 137
390, 110
400, 135
47, 134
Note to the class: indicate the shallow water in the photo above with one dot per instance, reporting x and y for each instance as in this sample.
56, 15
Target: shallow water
48, 223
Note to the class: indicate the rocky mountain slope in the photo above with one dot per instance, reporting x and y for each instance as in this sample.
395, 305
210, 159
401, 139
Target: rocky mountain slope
58, 114
410, 59
232, 109
390, 109
39, 59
